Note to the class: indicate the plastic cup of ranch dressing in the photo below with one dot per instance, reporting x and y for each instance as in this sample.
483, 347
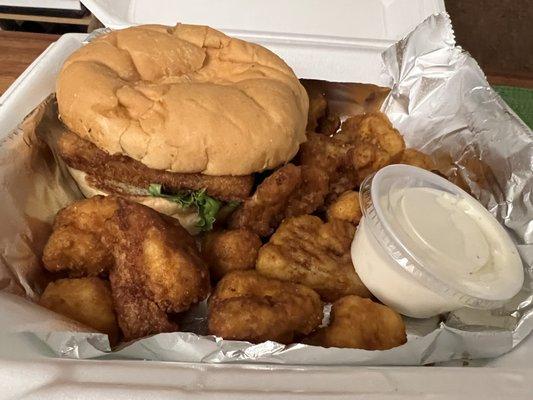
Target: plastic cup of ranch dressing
424, 246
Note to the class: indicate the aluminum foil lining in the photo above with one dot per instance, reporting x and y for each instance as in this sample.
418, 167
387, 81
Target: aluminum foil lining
442, 103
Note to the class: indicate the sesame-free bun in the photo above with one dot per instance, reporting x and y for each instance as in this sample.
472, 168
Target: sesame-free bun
184, 99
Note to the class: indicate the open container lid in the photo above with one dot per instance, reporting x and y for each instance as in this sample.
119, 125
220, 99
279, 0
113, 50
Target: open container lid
338, 40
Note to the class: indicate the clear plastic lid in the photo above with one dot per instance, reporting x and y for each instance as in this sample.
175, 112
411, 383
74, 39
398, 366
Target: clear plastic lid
442, 236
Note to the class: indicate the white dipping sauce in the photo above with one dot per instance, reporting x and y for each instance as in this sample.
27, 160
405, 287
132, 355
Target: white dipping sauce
424, 249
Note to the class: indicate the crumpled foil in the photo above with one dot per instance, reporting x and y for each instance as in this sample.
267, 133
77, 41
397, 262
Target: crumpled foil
443, 105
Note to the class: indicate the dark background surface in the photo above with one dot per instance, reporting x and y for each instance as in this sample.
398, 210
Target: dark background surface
499, 35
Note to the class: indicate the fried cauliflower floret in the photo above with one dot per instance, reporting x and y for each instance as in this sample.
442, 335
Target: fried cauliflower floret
376, 143
417, 159
155, 268
86, 300
230, 250
346, 208
310, 193
331, 156
263, 211
75, 244
307, 251
361, 324
290, 190
158, 270
248, 306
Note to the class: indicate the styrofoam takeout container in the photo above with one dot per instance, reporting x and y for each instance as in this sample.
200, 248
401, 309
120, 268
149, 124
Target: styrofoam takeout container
338, 40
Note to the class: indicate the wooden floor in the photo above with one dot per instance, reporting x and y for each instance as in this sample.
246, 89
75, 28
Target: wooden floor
17, 51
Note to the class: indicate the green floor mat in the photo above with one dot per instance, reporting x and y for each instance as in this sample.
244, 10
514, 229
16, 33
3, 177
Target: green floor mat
520, 100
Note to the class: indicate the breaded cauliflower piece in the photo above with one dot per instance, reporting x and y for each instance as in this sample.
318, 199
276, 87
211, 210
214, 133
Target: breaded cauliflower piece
251, 307
290, 190
417, 159
307, 251
86, 300
155, 267
230, 250
376, 143
346, 207
360, 323
75, 244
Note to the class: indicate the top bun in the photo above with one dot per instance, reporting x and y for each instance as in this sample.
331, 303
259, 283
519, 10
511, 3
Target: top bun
184, 99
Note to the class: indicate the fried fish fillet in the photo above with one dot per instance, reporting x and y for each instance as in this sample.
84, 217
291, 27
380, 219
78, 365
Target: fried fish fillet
307, 251
361, 324
248, 306
230, 250
155, 266
105, 169
86, 300
289, 191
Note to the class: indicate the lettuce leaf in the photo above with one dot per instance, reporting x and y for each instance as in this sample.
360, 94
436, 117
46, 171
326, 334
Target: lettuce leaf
206, 206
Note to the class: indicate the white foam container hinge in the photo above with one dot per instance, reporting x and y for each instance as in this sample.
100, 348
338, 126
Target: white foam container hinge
338, 40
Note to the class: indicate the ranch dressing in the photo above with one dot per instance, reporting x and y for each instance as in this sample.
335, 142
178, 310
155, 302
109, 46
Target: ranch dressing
425, 247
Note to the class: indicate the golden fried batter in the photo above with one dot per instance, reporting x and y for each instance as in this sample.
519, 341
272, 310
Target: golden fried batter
230, 250
331, 156
248, 306
315, 254
376, 142
155, 269
361, 324
364, 144
346, 208
75, 244
262, 212
417, 159
289, 191
310, 194
86, 300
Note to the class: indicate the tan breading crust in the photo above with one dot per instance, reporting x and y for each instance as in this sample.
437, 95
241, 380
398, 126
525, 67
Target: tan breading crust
376, 143
75, 244
417, 159
364, 144
101, 166
361, 324
248, 306
307, 251
289, 191
331, 156
230, 250
156, 268
346, 207
86, 300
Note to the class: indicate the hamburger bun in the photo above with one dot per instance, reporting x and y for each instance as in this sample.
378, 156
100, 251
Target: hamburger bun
185, 99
